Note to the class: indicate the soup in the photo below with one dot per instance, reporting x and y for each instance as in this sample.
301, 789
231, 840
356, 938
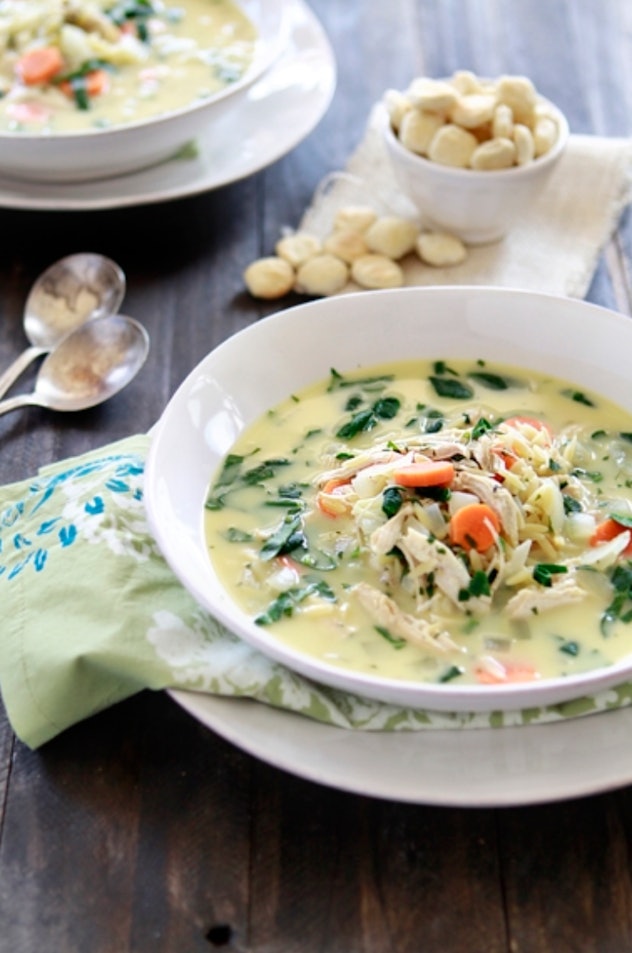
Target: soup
434, 522
73, 66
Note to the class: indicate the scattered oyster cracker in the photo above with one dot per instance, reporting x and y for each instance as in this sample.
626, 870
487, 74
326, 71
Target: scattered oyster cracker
363, 246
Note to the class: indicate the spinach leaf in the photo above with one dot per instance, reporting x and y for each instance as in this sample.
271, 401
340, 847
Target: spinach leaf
491, 381
362, 421
286, 603
287, 537
386, 408
366, 419
451, 387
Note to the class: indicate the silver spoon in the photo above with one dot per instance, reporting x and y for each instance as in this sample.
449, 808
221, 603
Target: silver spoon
91, 364
72, 291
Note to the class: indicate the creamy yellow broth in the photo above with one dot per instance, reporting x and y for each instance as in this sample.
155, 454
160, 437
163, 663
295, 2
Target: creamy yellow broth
121, 61
295, 549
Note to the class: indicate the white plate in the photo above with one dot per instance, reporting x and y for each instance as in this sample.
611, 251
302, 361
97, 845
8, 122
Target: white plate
280, 110
486, 767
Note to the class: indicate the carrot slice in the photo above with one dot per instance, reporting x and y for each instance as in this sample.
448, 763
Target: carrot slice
330, 498
534, 422
608, 530
507, 458
95, 83
506, 672
474, 526
39, 65
426, 473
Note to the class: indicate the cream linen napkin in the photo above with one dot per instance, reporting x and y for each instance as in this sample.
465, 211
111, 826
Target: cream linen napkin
554, 249
91, 614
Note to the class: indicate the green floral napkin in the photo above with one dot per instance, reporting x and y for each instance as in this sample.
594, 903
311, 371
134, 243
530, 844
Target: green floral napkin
91, 614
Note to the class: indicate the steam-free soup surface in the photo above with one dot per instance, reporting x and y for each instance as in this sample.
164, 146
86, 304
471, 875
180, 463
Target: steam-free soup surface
74, 66
445, 522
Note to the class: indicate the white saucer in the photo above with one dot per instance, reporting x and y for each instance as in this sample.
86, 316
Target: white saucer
280, 111
486, 767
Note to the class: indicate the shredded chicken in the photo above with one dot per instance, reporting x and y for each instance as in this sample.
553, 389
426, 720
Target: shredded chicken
386, 613
529, 601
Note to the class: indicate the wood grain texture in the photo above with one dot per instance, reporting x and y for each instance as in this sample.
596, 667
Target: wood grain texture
139, 830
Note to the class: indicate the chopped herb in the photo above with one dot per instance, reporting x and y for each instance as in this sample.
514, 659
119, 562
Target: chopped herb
337, 380
578, 396
595, 476
354, 402
314, 559
570, 647
392, 499
543, 573
78, 81
477, 586
441, 368
291, 491
440, 493
454, 671
433, 426
626, 435
571, 505
481, 426
621, 580
235, 535
395, 641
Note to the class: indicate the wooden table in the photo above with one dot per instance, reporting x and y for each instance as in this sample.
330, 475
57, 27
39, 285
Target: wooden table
141, 830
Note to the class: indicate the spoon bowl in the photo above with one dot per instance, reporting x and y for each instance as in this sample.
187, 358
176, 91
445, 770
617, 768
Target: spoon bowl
70, 292
90, 365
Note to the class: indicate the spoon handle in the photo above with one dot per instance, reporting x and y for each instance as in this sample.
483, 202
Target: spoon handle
20, 400
19, 365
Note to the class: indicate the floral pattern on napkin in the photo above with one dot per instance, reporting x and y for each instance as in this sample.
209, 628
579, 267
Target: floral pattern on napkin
92, 614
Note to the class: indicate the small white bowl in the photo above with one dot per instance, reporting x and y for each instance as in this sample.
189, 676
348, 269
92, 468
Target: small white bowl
244, 377
103, 153
476, 206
